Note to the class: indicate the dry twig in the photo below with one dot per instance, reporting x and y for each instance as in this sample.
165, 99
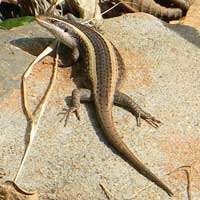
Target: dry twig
188, 170
108, 193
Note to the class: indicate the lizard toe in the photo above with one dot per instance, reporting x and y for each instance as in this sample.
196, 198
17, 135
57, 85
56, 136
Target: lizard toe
153, 122
73, 109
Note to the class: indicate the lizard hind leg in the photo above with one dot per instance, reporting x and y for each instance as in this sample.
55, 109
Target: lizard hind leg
129, 104
78, 95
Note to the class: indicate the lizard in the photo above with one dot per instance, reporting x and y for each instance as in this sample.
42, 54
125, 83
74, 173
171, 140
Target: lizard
103, 74
156, 9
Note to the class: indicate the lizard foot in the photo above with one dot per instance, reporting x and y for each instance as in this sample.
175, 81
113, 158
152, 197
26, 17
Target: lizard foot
68, 112
149, 119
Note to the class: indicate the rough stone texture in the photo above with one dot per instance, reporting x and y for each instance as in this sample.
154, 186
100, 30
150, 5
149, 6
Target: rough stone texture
163, 73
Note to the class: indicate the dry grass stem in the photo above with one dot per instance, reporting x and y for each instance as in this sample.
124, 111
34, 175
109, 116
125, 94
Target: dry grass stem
188, 170
108, 193
34, 118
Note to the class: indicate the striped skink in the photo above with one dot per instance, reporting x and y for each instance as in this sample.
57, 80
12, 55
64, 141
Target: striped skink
103, 73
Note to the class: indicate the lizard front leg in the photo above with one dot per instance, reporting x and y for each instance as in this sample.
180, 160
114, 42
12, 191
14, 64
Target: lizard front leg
78, 95
120, 99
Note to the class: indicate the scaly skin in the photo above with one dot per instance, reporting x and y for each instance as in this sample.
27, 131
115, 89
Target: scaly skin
151, 7
103, 69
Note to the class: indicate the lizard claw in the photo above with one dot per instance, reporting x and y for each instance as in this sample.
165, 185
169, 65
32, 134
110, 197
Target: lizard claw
153, 121
75, 110
149, 119
68, 112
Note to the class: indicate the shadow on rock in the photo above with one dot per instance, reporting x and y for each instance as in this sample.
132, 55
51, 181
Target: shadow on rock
189, 33
33, 46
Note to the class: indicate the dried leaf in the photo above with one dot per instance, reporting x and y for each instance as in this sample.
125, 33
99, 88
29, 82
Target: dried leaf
10, 191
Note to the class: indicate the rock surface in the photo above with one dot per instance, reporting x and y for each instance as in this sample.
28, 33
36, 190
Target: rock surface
193, 15
163, 76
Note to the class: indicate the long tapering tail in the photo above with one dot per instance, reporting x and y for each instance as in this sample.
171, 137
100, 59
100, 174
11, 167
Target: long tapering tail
106, 122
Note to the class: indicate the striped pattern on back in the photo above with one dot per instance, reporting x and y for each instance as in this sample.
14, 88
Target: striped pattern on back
103, 73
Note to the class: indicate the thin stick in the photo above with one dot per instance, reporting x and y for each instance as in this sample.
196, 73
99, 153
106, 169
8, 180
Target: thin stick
106, 11
34, 118
102, 13
130, 6
189, 187
108, 193
187, 170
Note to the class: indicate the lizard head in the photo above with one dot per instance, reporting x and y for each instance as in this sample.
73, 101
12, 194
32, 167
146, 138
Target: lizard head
62, 29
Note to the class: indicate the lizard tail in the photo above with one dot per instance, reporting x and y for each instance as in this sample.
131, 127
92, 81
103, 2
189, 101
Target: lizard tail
106, 122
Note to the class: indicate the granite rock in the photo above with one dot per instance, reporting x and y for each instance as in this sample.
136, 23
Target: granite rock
163, 76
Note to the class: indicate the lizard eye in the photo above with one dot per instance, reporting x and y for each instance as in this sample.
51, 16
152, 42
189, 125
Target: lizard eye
66, 29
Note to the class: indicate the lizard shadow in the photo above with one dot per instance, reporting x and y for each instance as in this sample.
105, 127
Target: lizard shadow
91, 111
189, 33
90, 107
102, 138
35, 46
